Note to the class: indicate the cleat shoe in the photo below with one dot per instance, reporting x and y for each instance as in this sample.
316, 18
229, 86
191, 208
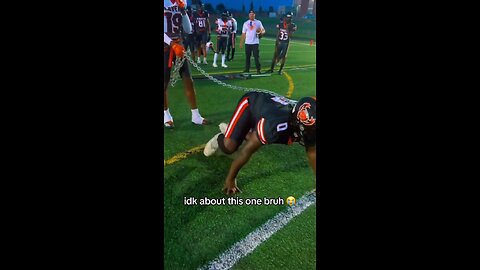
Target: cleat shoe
214, 65
169, 124
205, 62
212, 146
224, 66
198, 61
280, 72
223, 127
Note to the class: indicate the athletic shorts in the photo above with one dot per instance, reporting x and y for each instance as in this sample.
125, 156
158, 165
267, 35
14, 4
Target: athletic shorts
282, 49
221, 44
184, 70
189, 42
241, 121
202, 37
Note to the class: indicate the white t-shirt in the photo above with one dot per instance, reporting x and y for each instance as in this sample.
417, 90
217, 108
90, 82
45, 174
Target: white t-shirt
250, 28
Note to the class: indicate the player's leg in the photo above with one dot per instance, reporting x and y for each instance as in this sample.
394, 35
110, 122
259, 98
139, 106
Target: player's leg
191, 37
229, 46
191, 95
284, 58
256, 55
223, 46
248, 54
167, 117
215, 56
204, 47
233, 46
199, 46
229, 140
274, 60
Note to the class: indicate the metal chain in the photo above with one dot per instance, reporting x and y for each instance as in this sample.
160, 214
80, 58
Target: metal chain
175, 72
179, 63
245, 89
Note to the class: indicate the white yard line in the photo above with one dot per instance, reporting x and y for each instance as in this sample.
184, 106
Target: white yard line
248, 244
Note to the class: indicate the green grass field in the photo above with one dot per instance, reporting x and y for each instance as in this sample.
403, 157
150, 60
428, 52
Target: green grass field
195, 235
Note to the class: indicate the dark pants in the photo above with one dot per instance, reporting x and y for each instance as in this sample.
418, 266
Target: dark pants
231, 46
249, 48
221, 44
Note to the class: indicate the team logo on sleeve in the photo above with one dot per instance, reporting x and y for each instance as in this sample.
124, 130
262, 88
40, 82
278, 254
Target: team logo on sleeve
303, 115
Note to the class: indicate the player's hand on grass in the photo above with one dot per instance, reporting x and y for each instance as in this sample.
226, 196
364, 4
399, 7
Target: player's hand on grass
178, 49
230, 187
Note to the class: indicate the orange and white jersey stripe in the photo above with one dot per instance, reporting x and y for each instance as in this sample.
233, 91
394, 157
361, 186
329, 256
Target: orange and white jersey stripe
260, 131
238, 113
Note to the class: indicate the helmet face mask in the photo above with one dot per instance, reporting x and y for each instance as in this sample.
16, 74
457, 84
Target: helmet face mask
303, 120
288, 17
225, 15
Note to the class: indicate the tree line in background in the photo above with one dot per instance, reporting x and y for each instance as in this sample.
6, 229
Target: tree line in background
221, 7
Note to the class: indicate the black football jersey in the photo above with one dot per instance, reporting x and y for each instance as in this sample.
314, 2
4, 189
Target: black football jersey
285, 31
201, 21
271, 115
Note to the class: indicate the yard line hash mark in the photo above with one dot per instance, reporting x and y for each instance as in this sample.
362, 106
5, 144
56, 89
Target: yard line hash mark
184, 155
291, 86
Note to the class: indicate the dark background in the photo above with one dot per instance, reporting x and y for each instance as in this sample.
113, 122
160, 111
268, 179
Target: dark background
90, 133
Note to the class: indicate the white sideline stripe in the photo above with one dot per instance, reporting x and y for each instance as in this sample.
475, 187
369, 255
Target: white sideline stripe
229, 258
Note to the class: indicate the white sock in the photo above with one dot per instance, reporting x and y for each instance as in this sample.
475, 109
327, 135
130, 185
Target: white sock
215, 58
204, 58
167, 116
198, 59
196, 113
223, 59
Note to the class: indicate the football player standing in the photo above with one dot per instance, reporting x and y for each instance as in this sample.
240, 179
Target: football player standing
231, 38
202, 26
174, 18
285, 30
261, 119
224, 26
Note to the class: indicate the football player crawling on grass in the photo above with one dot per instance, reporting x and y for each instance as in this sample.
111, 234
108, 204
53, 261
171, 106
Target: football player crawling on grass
261, 119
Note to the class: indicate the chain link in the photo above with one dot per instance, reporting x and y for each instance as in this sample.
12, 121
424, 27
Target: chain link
176, 70
179, 63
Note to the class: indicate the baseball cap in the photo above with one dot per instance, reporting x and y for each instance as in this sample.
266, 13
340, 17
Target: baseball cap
251, 11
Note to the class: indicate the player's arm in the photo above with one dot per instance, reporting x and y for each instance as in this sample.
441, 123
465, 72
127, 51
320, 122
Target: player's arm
294, 28
244, 35
166, 39
262, 30
207, 23
218, 28
251, 146
186, 24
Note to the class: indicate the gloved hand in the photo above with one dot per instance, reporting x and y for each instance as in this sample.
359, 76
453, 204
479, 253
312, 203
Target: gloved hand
178, 49
181, 4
